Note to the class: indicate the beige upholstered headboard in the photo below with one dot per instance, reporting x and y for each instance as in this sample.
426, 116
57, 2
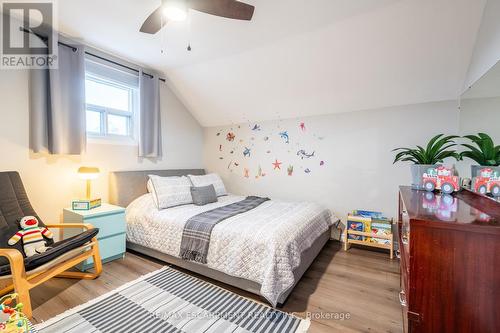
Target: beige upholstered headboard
126, 186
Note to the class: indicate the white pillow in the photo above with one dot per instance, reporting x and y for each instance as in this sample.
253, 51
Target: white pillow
210, 179
149, 186
171, 191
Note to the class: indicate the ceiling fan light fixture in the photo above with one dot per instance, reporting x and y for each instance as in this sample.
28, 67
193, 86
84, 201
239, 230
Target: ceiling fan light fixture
175, 10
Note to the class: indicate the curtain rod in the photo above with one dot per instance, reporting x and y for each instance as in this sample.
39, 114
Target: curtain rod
91, 54
121, 65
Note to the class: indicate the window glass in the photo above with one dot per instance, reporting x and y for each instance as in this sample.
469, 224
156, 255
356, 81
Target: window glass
118, 125
107, 95
112, 103
94, 122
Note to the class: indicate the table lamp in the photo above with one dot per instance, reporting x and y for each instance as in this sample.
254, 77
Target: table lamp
88, 174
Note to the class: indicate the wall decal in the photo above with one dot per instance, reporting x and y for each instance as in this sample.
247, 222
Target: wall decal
247, 152
303, 154
260, 173
277, 165
298, 147
284, 136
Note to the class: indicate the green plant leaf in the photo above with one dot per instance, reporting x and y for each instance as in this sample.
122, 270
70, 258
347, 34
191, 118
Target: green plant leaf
473, 156
436, 150
485, 154
432, 141
439, 146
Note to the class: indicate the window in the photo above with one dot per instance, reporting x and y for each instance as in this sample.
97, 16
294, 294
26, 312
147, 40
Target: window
111, 104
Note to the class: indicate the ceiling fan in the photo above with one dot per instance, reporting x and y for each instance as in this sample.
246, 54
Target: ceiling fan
176, 10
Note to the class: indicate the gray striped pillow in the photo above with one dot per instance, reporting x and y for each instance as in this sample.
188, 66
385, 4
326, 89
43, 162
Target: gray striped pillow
171, 191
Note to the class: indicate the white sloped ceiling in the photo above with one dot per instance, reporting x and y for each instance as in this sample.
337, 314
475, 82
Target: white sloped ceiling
295, 58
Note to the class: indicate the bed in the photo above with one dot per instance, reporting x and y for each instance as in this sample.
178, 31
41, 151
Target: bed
264, 251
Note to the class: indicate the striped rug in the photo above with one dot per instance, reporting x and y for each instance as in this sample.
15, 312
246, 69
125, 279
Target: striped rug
171, 301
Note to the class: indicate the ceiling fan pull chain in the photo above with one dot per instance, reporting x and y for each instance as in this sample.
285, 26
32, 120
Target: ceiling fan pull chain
189, 31
162, 36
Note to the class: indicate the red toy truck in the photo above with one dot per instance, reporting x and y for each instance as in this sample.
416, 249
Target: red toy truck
488, 181
440, 178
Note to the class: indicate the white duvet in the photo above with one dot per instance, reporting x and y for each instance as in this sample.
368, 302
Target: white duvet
262, 245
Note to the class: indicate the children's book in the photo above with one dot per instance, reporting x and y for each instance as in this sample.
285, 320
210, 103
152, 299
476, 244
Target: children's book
367, 213
381, 228
357, 226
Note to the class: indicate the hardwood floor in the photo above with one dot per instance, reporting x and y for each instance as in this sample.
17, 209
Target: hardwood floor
361, 283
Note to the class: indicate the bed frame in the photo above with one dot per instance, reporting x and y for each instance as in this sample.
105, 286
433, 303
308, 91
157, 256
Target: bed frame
125, 186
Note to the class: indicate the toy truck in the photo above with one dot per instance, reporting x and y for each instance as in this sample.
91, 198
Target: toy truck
440, 178
488, 181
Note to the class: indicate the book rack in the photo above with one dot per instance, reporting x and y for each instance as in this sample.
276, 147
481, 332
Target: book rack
367, 239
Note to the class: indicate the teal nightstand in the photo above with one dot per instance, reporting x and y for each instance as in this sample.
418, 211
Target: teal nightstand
112, 231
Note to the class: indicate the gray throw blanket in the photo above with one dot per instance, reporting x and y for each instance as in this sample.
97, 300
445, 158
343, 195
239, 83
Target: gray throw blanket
197, 231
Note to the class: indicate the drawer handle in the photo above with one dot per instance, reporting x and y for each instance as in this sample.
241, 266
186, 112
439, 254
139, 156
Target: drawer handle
402, 298
404, 239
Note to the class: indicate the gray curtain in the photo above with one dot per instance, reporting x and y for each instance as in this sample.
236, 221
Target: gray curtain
57, 104
150, 122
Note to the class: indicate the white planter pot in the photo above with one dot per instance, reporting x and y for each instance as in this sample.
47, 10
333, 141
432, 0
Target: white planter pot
485, 186
417, 171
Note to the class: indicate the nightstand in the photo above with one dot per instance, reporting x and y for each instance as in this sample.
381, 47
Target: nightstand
112, 230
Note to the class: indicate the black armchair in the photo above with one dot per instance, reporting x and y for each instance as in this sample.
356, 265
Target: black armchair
21, 273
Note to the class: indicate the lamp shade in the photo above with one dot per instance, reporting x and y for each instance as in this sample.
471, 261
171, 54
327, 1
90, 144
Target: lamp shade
88, 172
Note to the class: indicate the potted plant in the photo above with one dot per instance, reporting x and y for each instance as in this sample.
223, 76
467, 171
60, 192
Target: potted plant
436, 151
486, 174
485, 155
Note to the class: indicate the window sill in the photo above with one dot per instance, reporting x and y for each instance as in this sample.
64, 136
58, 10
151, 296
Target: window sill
112, 141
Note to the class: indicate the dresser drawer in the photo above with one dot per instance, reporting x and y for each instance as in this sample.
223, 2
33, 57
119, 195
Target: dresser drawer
108, 225
109, 248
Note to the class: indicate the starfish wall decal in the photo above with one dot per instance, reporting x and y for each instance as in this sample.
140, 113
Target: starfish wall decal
277, 165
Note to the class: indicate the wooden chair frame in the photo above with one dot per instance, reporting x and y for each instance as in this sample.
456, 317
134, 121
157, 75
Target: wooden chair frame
23, 282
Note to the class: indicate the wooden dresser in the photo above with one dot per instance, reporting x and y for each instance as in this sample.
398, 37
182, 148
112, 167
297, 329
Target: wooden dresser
450, 262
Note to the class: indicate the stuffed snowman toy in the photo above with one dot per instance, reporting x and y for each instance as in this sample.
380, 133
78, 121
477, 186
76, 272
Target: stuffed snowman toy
32, 236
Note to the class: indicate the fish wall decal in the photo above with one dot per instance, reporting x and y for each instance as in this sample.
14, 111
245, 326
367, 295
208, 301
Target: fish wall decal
303, 154
284, 136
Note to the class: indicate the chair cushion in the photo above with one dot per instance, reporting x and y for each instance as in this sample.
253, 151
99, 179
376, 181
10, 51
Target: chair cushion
14, 205
56, 250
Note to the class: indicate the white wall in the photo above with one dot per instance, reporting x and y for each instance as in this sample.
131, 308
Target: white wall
487, 49
358, 171
52, 181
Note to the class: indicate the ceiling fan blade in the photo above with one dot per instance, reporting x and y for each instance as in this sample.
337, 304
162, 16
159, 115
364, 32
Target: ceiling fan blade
154, 22
226, 8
